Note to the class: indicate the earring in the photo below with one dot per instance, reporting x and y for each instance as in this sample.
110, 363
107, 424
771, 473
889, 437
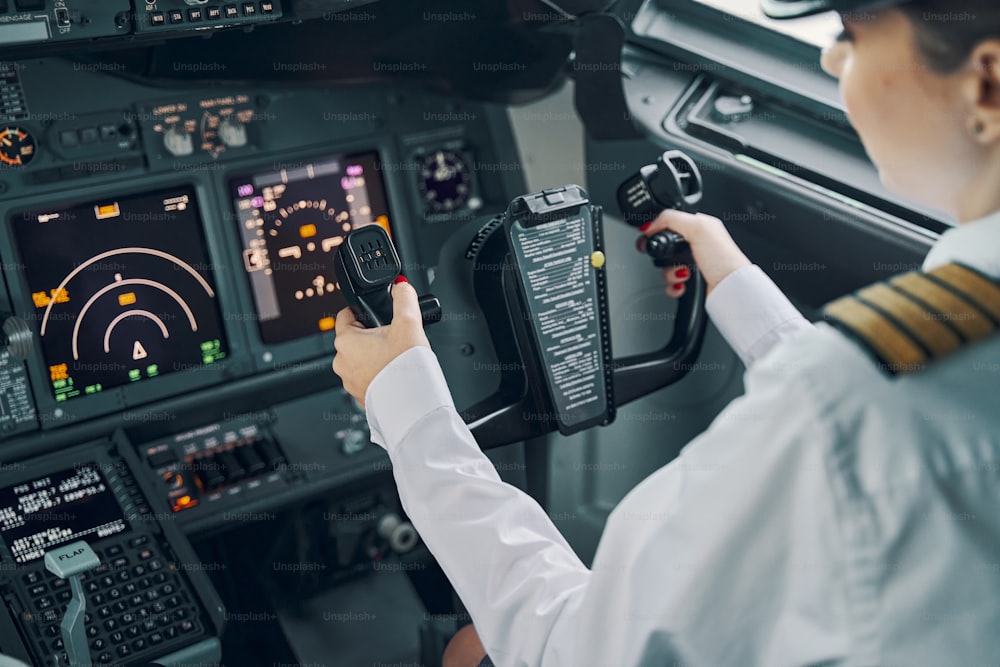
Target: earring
977, 128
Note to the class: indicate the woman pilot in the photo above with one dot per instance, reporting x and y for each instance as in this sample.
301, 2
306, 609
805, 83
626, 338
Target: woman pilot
846, 509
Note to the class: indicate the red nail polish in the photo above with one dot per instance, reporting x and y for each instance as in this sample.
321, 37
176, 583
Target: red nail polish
645, 227
400, 279
682, 273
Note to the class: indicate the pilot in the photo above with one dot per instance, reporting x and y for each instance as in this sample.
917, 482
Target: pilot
845, 509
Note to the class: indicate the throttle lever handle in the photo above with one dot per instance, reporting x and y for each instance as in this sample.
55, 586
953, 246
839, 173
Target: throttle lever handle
367, 266
673, 182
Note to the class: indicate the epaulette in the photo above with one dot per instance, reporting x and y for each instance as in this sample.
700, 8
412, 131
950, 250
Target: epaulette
915, 318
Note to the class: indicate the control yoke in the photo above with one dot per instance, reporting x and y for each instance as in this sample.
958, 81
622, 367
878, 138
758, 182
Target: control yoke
539, 278
540, 281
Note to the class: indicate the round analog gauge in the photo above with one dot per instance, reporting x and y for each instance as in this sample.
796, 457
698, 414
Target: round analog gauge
17, 146
445, 180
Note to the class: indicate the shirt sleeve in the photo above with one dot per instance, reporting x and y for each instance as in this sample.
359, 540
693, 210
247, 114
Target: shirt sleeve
752, 314
505, 558
724, 556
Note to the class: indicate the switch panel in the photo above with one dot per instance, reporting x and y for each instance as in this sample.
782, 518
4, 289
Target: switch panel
218, 466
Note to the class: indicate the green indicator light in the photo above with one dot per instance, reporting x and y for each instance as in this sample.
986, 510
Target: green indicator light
59, 384
211, 351
135, 374
60, 397
152, 370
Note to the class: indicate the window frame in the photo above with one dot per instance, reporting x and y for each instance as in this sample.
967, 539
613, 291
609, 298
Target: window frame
692, 6
758, 57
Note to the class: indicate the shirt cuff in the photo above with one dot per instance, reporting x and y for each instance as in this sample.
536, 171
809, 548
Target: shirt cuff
752, 314
410, 387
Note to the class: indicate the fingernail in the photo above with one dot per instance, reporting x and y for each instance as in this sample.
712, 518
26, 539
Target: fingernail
645, 226
400, 279
683, 273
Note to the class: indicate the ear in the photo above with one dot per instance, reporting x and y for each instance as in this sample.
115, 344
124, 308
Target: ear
983, 92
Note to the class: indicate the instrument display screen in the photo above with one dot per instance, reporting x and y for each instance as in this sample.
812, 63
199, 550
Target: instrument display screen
122, 290
291, 221
70, 505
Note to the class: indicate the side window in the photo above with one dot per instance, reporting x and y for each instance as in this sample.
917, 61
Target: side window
817, 30
757, 92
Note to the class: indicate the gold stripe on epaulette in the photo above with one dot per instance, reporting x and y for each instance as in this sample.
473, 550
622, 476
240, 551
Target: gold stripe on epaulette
894, 348
970, 321
975, 287
918, 317
925, 327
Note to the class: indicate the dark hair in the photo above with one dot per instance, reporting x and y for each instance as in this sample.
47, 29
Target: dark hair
947, 31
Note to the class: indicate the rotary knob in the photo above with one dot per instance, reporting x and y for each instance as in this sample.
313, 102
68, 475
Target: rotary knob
353, 440
401, 535
233, 133
178, 142
173, 479
15, 336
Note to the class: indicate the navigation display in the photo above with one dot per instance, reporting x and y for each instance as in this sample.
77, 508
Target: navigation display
122, 290
291, 220
74, 504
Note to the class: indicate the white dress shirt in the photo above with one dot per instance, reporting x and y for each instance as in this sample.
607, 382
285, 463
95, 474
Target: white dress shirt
831, 515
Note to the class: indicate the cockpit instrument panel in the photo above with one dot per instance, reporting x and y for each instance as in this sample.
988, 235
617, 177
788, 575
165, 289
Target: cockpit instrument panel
122, 290
291, 220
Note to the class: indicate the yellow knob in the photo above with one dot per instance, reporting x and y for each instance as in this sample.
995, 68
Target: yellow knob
597, 259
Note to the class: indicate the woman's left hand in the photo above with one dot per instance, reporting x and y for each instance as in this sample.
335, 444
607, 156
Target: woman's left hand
363, 353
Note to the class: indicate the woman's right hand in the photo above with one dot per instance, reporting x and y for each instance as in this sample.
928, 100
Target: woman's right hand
714, 250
